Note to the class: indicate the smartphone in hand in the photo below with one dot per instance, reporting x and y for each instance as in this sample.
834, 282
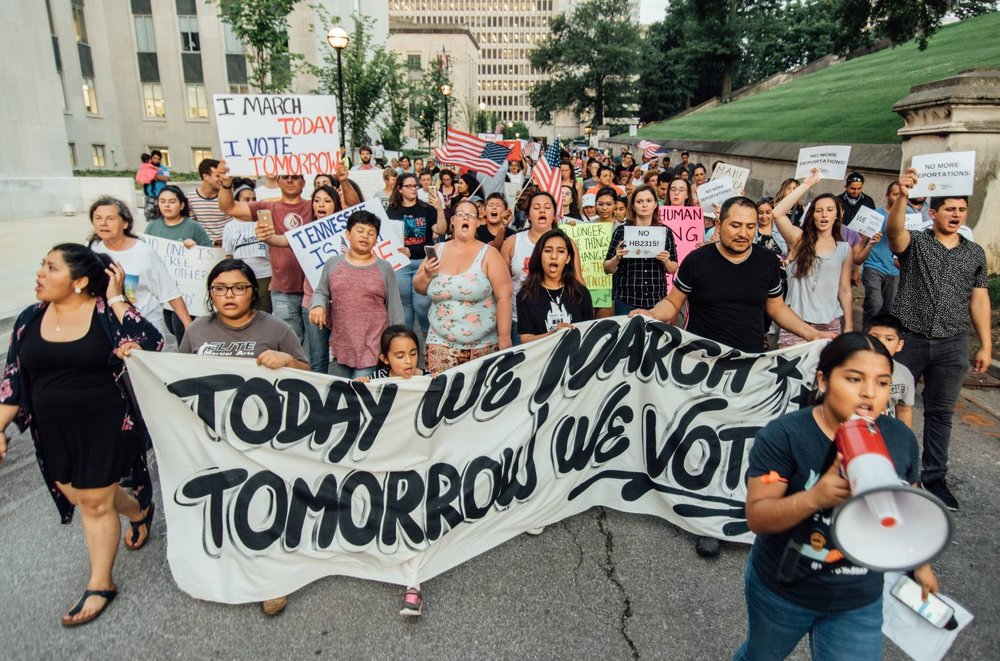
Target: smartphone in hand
934, 610
430, 252
264, 218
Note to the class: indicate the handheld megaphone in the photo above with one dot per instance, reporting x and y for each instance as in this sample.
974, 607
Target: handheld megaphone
886, 525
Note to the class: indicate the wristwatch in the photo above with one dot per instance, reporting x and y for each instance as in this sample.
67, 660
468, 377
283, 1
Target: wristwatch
117, 299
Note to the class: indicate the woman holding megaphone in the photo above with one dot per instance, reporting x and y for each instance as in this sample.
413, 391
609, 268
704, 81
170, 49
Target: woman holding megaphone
797, 581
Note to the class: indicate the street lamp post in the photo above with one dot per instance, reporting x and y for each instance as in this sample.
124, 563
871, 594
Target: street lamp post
338, 39
446, 92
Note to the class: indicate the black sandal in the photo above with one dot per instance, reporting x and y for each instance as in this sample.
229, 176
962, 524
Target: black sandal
136, 525
108, 595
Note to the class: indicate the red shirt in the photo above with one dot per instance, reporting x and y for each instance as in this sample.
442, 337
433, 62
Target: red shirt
287, 275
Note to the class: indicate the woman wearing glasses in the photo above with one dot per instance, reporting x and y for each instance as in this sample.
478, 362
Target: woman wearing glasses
237, 328
420, 222
469, 287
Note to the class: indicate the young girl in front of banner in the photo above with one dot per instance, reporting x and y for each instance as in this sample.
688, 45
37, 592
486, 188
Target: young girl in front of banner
398, 358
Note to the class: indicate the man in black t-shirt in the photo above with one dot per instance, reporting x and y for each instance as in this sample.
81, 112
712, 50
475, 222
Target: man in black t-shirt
729, 286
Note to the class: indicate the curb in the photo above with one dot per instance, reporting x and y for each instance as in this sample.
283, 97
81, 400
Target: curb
994, 369
967, 395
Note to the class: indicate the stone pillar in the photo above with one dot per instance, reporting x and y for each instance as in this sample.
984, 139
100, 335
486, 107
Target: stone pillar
961, 114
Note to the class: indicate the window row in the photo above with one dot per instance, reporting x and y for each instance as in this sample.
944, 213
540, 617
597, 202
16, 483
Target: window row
99, 159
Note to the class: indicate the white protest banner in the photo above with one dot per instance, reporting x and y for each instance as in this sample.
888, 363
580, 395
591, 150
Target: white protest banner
645, 241
867, 221
950, 173
830, 160
510, 193
190, 268
490, 137
915, 222
316, 242
275, 134
715, 191
272, 479
739, 175
369, 181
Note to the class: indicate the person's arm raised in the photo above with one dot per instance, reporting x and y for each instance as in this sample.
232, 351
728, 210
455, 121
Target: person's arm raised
895, 224
228, 205
789, 232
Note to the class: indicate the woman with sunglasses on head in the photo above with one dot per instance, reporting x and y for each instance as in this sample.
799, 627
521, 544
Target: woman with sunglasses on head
469, 285
236, 328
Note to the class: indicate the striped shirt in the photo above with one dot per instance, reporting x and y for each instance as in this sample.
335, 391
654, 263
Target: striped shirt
205, 210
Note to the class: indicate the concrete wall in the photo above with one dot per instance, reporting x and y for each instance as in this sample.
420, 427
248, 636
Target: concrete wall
37, 197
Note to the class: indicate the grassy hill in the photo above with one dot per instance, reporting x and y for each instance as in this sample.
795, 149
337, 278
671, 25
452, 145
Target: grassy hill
849, 102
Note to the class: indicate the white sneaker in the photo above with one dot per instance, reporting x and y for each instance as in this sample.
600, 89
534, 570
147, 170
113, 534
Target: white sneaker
535, 531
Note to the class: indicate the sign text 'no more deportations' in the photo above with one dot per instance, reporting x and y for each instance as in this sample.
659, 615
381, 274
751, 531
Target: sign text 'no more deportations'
267, 134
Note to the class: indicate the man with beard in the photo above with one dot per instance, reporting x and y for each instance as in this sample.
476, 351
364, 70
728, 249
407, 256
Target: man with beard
854, 197
730, 285
365, 154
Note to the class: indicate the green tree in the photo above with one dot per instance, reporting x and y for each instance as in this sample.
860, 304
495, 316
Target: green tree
865, 21
590, 63
370, 71
513, 129
396, 107
262, 27
428, 102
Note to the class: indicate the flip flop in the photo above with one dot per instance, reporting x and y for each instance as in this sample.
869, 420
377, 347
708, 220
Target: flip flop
108, 595
136, 525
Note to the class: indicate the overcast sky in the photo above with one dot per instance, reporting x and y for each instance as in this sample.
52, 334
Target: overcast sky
651, 11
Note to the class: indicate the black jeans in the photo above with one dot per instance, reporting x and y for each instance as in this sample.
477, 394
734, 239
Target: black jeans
173, 324
943, 362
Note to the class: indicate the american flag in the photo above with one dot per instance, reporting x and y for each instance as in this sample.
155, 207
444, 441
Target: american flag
649, 149
547, 175
499, 129
473, 152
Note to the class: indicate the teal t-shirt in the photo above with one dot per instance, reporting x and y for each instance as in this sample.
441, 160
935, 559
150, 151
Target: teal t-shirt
796, 448
186, 229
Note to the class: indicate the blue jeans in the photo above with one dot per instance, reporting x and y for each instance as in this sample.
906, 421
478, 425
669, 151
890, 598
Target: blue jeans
776, 625
943, 362
318, 339
343, 371
622, 309
288, 308
880, 292
415, 305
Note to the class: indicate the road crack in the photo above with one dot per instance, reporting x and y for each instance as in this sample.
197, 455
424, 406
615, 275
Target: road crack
611, 571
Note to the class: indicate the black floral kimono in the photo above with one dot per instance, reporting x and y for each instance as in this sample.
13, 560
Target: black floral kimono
13, 390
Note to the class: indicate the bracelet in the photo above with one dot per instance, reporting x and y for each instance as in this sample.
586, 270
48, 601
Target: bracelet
229, 187
116, 299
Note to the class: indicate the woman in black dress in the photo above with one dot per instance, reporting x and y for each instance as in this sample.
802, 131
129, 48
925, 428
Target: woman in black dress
61, 381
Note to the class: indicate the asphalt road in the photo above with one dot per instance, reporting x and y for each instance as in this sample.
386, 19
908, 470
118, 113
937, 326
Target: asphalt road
599, 585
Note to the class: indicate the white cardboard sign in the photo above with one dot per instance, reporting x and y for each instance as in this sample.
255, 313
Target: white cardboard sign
369, 181
739, 175
189, 267
316, 242
275, 134
950, 173
867, 221
715, 191
831, 160
645, 241
914, 222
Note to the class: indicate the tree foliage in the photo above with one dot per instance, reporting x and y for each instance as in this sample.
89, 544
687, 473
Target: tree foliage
370, 72
427, 101
708, 48
589, 63
262, 27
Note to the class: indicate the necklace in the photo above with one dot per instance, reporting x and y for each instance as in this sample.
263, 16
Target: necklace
555, 300
826, 421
